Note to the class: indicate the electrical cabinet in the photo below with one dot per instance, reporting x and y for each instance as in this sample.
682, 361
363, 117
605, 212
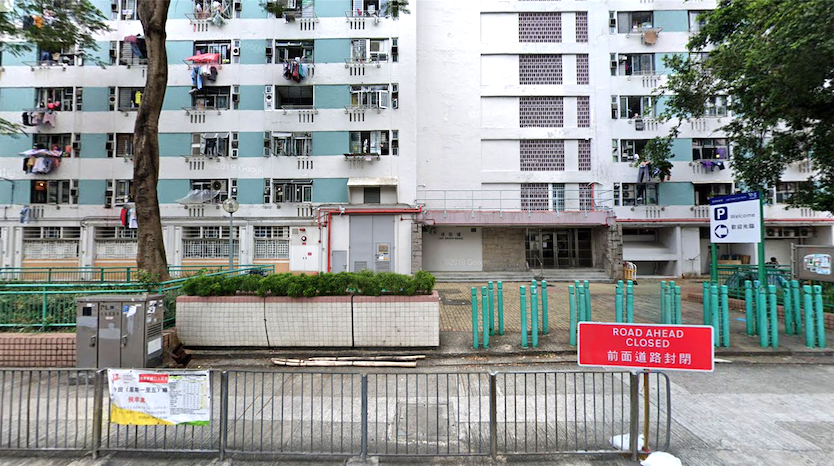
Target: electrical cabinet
115, 331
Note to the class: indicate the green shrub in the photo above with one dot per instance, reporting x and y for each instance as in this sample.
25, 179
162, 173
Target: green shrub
365, 283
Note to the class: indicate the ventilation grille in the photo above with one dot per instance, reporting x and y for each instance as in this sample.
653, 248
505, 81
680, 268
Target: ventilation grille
542, 155
541, 112
359, 266
583, 73
540, 69
583, 112
540, 27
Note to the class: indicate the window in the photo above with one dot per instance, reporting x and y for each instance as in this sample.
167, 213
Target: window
208, 242
213, 98
57, 142
72, 233
293, 97
369, 142
120, 145
119, 192
111, 233
129, 53
60, 98
116, 243
540, 27
703, 192
51, 242
540, 69
374, 50
784, 191
634, 21
374, 96
629, 149
124, 10
272, 242
696, 23
709, 149
64, 55
632, 64
222, 48
395, 50
716, 107
634, 194
288, 144
282, 191
559, 197
210, 144
54, 192
395, 142
372, 195
129, 98
222, 188
640, 106
290, 50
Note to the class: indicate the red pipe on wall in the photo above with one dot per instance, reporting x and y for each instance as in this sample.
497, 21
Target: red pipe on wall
330, 212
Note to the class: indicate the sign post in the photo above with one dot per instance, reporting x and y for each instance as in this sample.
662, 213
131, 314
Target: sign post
646, 347
737, 218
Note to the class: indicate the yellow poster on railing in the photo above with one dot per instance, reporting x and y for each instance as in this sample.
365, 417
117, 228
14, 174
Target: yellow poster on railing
141, 397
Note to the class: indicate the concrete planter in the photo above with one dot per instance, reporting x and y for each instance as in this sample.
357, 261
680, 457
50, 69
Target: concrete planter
327, 321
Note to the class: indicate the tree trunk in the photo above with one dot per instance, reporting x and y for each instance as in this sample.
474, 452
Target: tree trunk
151, 252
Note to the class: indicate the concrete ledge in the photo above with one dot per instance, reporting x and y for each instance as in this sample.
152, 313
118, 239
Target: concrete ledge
325, 321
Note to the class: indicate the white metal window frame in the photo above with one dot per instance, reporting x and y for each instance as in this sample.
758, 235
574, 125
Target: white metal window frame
636, 194
61, 192
66, 95
716, 107
119, 192
378, 142
716, 145
228, 189
370, 96
298, 144
645, 104
199, 142
281, 191
284, 47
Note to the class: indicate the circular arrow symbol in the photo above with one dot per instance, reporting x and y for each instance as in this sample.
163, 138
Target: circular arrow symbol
721, 231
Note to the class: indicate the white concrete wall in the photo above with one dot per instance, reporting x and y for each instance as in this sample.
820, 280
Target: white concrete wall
450, 249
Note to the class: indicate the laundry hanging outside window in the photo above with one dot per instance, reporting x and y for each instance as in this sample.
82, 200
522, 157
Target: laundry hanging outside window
43, 161
205, 68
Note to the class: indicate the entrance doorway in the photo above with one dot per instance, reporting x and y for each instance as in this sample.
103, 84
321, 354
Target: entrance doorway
558, 248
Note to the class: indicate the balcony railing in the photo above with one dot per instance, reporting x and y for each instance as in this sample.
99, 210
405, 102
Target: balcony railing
504, 200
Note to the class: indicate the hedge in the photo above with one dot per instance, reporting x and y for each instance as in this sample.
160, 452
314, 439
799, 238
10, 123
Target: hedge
325, 284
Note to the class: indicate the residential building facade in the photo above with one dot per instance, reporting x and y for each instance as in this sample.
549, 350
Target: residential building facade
469, 136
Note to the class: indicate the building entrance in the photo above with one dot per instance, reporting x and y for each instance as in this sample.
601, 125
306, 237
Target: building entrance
558, 248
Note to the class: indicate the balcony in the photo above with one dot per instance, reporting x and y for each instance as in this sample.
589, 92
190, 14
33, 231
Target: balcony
207, 14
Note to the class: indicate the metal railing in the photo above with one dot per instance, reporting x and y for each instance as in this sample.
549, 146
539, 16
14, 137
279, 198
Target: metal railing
299, 413
734, 276
99, 274
47, 306
514, 200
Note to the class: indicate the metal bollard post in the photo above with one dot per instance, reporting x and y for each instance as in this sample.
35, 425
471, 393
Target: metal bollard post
808, 298
474, 318
705, 294
761, 315
545, 326
748, 307
363, 446
725, 317
630, 302
500, 308
663, 302
819, 316
716, 322
534, 316
493, 417
756, 307
678, 307
774, 316
523, 292
797, 305
788, 304
667, 305
491, 310
485, 317
224, 414
588, 301
618, 302
572, 317
580, 303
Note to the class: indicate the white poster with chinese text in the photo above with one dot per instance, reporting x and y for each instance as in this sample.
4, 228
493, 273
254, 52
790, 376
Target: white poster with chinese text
146, 397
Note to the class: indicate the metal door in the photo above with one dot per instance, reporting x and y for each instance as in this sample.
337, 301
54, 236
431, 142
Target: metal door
372, 243
86, 329
133, 334
110, 335
339, 261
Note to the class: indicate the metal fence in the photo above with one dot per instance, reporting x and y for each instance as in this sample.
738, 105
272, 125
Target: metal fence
101, 274
282, 413
734, 276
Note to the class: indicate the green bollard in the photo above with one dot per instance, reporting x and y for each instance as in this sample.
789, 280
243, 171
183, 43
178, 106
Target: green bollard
484, 301
500, 308
663, 302
588, 301
716, 323
748, 307
820, 317
474, 318
630, 302
534, 316
580, 304
618, 302
761, 315
678, 307
705, 295
797, 305
491, 309
808, 298
572, 309
667, 305
788, 304
725, 317
774, 316
523, 292
545, 326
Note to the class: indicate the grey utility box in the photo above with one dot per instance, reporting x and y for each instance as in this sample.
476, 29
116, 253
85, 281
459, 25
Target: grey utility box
115, 331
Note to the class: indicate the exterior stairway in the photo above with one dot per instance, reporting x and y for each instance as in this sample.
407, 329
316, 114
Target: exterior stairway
551, 275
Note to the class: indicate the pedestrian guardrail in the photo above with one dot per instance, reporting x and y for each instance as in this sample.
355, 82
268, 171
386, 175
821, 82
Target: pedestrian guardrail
96, 274
299, 413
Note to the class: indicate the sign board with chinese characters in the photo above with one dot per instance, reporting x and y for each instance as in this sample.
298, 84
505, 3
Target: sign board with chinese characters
813, 263
646, 346
140, 397
735, 218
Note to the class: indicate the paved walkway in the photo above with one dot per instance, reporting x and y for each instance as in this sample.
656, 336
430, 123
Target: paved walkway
456, 317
